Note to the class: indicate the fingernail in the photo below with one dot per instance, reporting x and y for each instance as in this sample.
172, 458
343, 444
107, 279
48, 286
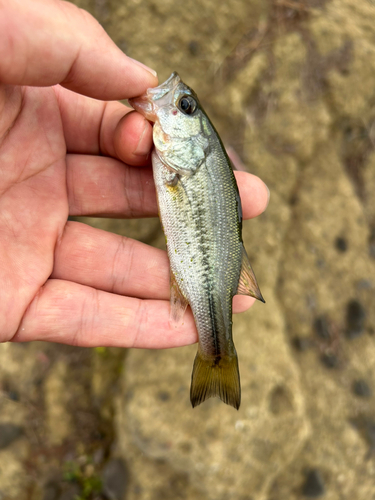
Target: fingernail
268, 195
144, 144
153, 72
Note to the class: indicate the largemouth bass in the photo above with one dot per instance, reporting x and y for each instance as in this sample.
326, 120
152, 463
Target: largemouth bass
200, 211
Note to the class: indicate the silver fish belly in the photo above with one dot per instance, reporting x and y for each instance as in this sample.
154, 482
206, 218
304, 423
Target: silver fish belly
200, 210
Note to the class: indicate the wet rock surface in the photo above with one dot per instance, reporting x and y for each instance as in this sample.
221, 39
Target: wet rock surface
362, 389
355, 319
290, 87
115, 479
8, 434
56, 435
313, 486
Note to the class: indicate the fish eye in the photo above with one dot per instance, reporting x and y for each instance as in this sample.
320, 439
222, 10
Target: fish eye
187, 104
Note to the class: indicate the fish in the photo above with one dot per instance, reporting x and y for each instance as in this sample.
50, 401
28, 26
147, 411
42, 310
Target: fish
201, 215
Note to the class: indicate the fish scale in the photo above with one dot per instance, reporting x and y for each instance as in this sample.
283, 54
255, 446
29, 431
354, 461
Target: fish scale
205, 222
200, 211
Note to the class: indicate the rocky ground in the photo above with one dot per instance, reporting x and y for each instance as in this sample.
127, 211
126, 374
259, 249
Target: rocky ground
290, 85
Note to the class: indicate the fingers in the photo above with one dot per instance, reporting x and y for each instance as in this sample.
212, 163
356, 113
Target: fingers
108, 188
254, 194
111, 263
132, 139
109, 128
74, 314
115, 264
44, 42
242, 303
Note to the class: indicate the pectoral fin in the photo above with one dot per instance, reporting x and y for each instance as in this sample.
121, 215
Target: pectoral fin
247, 284
178, 303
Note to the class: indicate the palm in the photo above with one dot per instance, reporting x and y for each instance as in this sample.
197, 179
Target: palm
33, 203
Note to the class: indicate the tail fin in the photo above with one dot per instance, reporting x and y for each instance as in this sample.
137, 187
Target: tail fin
215, 377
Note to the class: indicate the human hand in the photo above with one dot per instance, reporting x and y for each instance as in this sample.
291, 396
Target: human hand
63, 153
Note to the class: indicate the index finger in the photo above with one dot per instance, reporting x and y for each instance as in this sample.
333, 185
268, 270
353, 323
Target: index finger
43, 43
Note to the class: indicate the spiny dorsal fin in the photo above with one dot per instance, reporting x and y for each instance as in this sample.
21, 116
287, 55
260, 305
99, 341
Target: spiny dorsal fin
247, 284
178, 302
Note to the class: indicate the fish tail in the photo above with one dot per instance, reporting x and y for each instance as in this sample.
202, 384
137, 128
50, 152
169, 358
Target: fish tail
215, 376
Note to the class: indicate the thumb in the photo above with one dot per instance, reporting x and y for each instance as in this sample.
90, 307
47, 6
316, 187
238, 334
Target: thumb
46, 42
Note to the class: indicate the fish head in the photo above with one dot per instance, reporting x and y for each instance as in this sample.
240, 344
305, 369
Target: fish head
181, 126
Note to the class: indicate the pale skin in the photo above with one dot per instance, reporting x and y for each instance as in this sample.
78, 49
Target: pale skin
64, 153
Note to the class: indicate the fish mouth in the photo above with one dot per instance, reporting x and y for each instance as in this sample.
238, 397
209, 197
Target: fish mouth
143, 105
156, 97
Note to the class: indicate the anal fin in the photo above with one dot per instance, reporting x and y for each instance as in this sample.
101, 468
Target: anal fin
178, 303
247, 284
